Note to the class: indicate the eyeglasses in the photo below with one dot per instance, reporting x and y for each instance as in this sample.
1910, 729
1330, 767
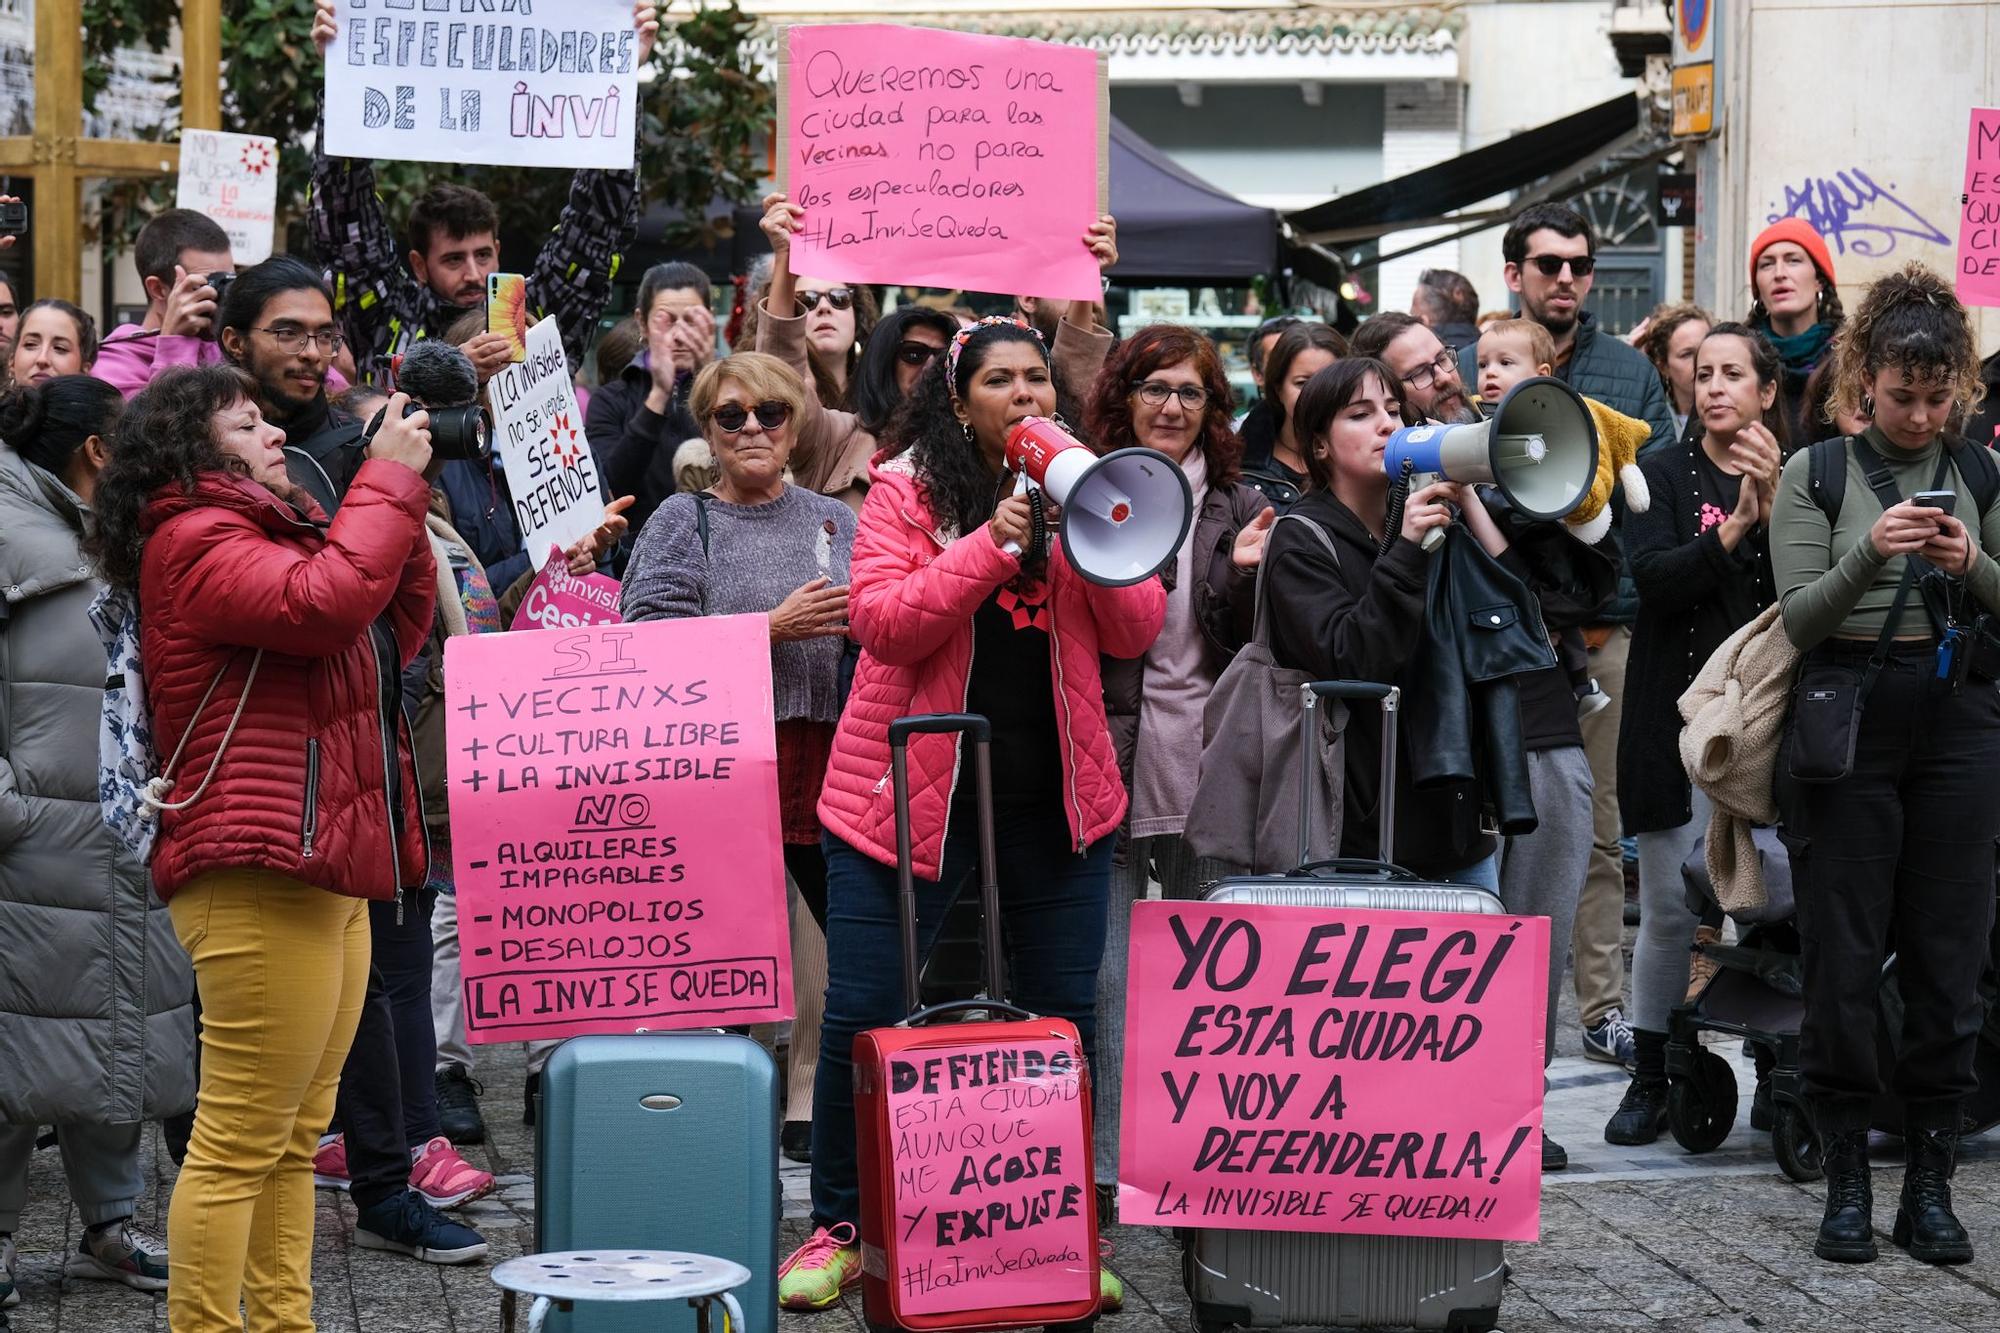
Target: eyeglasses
1426, 375
1154, 393
733, 417
913, 353
292, 340
1551, 266
840, 298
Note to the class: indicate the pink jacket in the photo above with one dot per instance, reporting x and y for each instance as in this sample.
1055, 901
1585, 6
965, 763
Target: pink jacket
133, 354
913, 590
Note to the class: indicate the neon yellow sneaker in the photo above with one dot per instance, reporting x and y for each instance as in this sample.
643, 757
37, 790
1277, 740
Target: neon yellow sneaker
820, 1269
1110, 1292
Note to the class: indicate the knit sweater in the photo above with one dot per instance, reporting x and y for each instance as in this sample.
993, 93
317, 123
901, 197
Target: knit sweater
756, 556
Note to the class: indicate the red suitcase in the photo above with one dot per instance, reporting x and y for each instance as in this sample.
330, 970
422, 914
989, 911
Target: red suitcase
977, 1207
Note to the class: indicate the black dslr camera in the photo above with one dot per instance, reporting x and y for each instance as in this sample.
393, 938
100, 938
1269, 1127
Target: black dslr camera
456, 432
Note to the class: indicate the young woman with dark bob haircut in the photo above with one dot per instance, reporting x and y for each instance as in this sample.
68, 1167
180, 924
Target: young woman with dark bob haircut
271, 643
1164, 389
1892, 822
1360, 615
950, 620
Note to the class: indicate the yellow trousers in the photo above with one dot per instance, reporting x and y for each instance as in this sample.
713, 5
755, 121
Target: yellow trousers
282, 968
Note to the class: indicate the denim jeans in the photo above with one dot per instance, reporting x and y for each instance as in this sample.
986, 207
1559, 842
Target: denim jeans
1052, 905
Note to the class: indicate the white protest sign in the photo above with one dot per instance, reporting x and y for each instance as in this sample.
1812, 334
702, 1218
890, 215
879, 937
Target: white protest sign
233, 178
513, 84
557, 501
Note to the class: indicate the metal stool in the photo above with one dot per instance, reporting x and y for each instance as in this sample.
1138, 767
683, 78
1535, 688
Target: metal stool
559, 1280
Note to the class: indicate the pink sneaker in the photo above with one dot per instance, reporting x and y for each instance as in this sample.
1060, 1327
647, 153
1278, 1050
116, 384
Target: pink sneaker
445, 1179
330, 1164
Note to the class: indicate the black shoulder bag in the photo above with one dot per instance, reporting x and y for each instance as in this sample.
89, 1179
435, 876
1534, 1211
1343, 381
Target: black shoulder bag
1828, 697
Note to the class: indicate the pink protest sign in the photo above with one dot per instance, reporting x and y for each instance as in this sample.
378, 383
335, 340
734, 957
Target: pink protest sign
1293, 1069
558, 599
992, 1205
942, 159
1979, 219
614, 824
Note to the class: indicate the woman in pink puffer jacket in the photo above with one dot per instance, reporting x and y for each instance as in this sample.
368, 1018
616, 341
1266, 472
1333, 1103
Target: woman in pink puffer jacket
949, 622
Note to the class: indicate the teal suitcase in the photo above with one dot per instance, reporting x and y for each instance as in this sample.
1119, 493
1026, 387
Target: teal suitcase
660, 1141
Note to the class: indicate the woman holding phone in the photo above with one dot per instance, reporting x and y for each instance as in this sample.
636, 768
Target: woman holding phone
1885, 771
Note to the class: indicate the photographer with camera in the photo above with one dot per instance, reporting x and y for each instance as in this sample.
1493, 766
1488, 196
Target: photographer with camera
184, 261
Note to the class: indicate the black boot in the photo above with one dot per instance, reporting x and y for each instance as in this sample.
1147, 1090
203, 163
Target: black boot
1846, 1232
1925, 1225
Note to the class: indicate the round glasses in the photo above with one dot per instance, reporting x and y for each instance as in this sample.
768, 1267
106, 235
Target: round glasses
733, 417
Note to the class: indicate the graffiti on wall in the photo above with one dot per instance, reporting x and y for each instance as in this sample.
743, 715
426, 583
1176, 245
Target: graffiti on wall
1856, 213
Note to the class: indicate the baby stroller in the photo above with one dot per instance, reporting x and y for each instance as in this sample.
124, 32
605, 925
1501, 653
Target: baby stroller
1757, 993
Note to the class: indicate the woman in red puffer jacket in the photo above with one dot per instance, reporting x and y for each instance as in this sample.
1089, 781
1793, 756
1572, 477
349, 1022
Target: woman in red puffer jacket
272, 642
950, 620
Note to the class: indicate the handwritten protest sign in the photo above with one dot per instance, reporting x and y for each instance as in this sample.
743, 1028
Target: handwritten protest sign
558, 599
557, 500
1979, 222
942, 159
1300, 1070
993, 1190
233, 178
614, 823
516, 84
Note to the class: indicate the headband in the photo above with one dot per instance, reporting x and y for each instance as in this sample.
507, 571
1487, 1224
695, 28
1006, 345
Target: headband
964, 336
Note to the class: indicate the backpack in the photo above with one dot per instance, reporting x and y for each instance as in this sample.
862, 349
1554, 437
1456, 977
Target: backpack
132, 784
1826, 474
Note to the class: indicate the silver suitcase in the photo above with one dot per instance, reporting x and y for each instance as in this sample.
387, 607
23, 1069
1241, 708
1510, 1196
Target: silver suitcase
1285, 1279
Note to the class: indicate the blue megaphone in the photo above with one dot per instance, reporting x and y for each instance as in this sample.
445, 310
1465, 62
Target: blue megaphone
1539, 447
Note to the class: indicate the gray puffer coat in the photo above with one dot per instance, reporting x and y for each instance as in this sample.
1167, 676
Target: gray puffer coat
96, 994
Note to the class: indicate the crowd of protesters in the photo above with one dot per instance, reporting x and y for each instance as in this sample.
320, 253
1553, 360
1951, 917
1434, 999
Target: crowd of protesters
235, 465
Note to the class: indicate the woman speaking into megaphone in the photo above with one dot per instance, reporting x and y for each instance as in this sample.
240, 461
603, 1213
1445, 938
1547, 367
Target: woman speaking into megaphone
1359, 614
951, 620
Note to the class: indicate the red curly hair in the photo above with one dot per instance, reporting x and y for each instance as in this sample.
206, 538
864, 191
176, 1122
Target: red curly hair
1107, 414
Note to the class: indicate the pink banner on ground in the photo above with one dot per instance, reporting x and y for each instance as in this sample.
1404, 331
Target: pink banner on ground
1979, 218
941, 159
614, 821
993, 1190
558, 599
1294, 1069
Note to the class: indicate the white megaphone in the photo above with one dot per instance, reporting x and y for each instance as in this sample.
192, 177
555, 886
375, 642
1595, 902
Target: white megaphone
1124, 515
1539, 447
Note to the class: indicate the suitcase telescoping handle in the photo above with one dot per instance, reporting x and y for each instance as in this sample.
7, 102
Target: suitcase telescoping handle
1391, 699
981, 732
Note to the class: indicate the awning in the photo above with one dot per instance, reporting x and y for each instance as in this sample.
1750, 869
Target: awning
1173, 224
1428, 197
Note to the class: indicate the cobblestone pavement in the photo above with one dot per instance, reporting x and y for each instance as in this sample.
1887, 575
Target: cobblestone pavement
1631, 1238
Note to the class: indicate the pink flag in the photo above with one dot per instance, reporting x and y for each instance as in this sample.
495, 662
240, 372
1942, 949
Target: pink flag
558, 599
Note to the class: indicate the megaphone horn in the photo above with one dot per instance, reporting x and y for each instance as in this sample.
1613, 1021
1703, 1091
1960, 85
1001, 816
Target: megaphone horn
1125, 514
1539, 448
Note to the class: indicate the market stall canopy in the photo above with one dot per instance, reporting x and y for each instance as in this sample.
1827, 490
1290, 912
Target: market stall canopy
1433, 195
1173, 224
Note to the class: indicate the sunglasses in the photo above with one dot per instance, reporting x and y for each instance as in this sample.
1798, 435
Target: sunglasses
840, 298
1551, 266
733, 417
914, 353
